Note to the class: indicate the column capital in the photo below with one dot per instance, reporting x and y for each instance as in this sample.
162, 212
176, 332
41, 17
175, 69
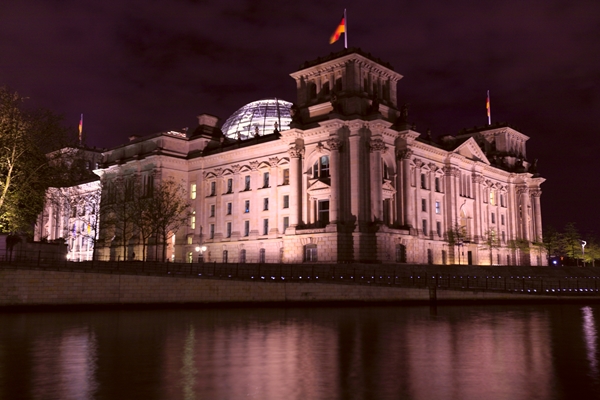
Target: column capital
334, 143
536, 192
296, 152
404, 154
377, 145
452, 171
477, 178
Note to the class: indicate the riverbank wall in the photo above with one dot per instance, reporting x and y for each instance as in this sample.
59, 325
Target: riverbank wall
34, 288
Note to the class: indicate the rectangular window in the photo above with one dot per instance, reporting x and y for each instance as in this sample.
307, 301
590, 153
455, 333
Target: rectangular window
246, 206
492, 198
265, 204
212, 211
211, 232
323, 208
493, 218
193, 191
438, 207
286, 223
213, 188
265, 226
423, 181
423, 205
286, 177
229, 208
229, 185
501, 200
247, 182
228, 226
502, 219
286, 201
265, 179
246, 228
437, 184
438, 228
424, 227
193, 220
190, 239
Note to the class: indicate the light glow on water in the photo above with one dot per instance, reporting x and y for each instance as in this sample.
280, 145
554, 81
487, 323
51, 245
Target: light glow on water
468, 352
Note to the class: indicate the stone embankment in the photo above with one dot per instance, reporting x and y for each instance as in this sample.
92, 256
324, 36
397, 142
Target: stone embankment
409, 284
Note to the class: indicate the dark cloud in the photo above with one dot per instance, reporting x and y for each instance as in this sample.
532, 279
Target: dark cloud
139, 67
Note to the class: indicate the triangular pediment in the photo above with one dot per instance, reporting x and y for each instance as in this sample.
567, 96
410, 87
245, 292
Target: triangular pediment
317, 185
471, 150
388, 187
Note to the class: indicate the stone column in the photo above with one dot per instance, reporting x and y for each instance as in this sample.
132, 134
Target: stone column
295, 184
356, 192
255, 202
274, 205
236, 206
523, 193
537, 214
377, 146
408, 211
451, 196
334, 144
478, 203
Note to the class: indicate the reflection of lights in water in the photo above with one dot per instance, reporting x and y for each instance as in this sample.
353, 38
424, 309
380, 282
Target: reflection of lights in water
589, 331
188, 371
65, 365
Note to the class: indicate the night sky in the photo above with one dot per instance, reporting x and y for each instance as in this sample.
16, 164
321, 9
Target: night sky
140, 67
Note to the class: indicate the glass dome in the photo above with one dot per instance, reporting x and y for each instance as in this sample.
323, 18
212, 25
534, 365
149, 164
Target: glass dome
261, 114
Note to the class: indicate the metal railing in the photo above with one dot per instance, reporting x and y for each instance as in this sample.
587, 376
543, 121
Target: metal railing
393, 275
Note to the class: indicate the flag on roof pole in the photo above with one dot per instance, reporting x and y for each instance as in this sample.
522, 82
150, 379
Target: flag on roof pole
488, 108
80, 127
341, 28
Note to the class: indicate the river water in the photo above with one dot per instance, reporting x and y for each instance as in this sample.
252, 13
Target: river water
448, 352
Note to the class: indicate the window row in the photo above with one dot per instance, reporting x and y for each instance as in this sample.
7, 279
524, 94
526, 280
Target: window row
246, 207
246, 231
229, 184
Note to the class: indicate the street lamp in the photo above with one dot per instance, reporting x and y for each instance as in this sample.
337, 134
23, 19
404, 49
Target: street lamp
200, 250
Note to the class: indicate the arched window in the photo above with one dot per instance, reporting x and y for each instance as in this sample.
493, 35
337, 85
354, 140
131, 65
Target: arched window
321, 168
242, 256
384, 169
261, 256
225, 256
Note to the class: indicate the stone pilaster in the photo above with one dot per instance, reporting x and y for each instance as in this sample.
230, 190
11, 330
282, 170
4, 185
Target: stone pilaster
295, 184
537, 214
377, 146
335, 145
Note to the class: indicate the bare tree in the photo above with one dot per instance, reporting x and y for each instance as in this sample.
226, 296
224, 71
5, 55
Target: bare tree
167, 211
456, 236
491, 242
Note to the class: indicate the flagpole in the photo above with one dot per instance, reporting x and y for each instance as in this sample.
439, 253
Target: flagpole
489, 109
80, 129
345, 30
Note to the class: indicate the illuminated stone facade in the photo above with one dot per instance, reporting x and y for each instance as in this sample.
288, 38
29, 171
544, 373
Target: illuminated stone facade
347, 180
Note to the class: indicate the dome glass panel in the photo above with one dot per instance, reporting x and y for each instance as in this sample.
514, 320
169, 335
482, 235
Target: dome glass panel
261, 114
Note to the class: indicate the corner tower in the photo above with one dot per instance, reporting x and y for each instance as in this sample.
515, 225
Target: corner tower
348, 83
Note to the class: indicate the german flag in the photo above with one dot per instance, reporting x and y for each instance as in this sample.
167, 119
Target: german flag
338, 31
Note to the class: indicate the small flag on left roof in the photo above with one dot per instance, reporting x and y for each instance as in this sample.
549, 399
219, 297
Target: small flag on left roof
80, 127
